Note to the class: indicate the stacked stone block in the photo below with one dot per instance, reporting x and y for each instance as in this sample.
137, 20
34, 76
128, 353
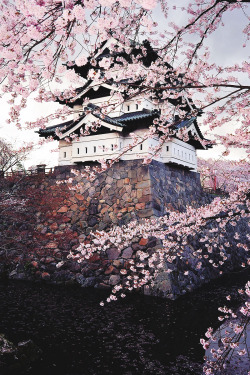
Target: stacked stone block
60, 218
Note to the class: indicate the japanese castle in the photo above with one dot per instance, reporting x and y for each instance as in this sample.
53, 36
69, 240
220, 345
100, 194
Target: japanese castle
93, 134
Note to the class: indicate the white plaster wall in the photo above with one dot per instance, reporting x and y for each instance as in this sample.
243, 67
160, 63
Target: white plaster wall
174, 151
65, 153
179, 152
107, 146
95, 147
126, 107
136, 105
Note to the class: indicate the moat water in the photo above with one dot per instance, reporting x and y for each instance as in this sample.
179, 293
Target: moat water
137, 335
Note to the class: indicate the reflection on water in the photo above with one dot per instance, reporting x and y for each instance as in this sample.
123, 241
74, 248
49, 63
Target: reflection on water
138, 335
235, 363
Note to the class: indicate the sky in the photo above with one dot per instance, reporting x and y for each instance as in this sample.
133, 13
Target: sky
45, 154
225, 46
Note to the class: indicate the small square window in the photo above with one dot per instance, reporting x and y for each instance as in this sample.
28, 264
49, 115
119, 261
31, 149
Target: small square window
167, 148
128, 108
64, 154
94, 148
112, 147
103, 148
86, 150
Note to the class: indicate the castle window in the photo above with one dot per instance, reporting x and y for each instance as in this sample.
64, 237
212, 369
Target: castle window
86, 150
112, 147
128, 108
189, 156
140, 146
103, 148
167, 148
94, 148
78, 151
136, 106
64, 154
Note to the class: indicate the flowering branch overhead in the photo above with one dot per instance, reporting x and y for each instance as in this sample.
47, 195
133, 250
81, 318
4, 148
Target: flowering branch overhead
38, 38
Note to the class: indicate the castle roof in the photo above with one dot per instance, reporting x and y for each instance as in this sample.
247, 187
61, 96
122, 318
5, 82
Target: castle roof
144, 53
125, 123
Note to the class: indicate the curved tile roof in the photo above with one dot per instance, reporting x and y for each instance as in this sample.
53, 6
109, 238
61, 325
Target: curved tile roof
121, 121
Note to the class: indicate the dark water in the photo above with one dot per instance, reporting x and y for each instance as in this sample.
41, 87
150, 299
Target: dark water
137, 335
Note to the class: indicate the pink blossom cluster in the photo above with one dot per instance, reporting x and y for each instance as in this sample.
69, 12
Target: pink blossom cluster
229, 343
223, 174
173, 230
38, 38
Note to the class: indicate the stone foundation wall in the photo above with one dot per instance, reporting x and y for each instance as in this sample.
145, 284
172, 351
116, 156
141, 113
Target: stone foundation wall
130, 190
174, 189
56, 219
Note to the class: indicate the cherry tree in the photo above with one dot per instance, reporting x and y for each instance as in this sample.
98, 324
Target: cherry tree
38, 38
13, 205
221, 174
174, 230
44, 42
11, 158
210, 225
228, 347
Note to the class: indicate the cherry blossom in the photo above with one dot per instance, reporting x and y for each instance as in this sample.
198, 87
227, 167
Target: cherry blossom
229, 341
38, 38
173, 230
40, 41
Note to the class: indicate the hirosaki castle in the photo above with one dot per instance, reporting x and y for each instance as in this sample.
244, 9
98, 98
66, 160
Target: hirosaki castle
98, 135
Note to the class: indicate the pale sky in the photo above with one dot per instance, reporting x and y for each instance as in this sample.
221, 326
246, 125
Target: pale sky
226, 48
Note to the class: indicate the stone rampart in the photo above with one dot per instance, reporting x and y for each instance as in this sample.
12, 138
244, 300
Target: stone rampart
56, 219
130, 190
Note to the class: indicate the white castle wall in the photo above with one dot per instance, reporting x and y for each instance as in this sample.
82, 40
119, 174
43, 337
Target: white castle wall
119, 109
107, 146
